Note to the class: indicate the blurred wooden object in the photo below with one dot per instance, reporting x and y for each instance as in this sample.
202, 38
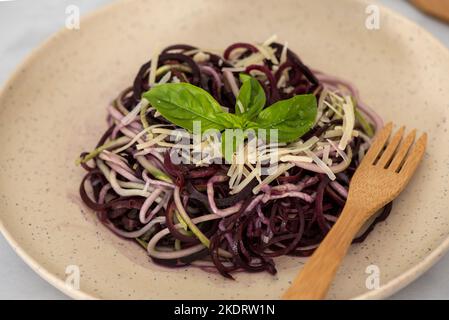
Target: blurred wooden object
437, 8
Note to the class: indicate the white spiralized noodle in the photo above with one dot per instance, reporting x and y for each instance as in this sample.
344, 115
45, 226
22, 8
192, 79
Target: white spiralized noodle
147, 204
137, 233
210, 195
122, 233
131, 177
342, 166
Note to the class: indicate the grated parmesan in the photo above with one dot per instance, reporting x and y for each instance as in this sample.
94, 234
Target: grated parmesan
270, 40
321, 164
348, 123
201, 57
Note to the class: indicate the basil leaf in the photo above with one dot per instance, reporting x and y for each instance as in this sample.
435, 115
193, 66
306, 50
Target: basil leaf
183, 103
292, 117
251, 97
234, 121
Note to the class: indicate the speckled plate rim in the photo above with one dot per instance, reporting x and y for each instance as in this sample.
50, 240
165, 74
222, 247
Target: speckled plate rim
382, 292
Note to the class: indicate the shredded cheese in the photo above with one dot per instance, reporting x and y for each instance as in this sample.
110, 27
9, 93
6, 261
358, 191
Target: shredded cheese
166, 68
254, 173
326, 152
190, 52
289, 89
268, 53
340, 153
165, 78
284, 53
338, 133
290, 158
333, 109
348, 122
201, 57
282, 81
255, 58
236, 53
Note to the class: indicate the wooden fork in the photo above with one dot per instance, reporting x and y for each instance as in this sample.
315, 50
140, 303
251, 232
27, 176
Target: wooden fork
382, 175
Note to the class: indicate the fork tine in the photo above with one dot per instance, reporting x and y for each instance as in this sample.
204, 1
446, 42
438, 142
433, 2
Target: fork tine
415, 156
402, 152
378, 143
391, 148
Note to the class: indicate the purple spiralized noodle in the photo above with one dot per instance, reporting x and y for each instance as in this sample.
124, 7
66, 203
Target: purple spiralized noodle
273, 93
247, 46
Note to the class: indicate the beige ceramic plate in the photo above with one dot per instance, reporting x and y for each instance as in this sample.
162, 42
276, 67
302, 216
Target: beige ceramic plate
54, 107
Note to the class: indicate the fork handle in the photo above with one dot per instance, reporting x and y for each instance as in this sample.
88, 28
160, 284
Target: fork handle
314, 280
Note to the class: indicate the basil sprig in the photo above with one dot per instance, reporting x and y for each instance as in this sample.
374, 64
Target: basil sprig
183, 103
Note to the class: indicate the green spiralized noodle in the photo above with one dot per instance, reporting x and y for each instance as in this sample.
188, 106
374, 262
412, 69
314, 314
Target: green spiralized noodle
143, 116
185, 217
107, 146
158, 174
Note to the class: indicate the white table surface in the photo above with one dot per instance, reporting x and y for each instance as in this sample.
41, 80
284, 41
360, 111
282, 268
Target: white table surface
24, 24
